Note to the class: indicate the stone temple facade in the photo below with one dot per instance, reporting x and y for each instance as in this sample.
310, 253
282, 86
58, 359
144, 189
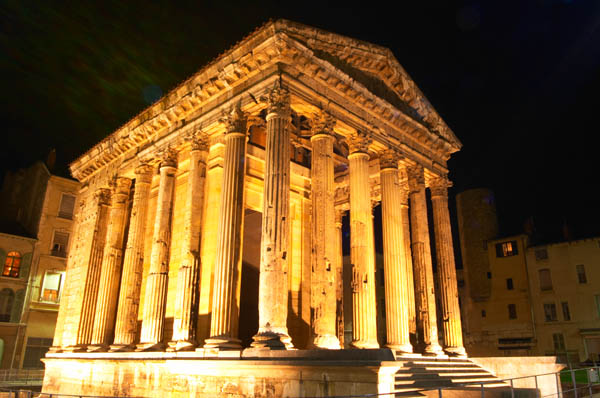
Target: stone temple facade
208, 228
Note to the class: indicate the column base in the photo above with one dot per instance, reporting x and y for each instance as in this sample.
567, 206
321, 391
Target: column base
360, 344
401, 348
456, 351
433, 349
97, 348
54, 349
272, 341
223, 343
150, 347
121, 348
181, 345
327, 341
75, 348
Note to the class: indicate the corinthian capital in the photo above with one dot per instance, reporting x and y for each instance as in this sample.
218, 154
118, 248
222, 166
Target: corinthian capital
416, 177
278, 101
388, 159
359, 142
235, 121
199, 141
322, 123
439, 187
120, 185
102, 195
143, 173
168, 157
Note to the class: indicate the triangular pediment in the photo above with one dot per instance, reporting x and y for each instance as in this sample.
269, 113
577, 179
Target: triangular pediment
375, 67
367, 75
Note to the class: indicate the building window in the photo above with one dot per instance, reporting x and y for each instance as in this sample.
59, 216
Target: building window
67, 204
512, 311
597, 298
7, 298
509, 284
36, 349
541, 254
489, 275
565, 310
581, 277
545, 279
550, 312
12, 265
52, 286
559, 342
59, 245
506, 249
483, 314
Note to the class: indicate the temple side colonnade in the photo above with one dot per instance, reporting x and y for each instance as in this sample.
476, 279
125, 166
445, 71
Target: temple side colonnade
118, 224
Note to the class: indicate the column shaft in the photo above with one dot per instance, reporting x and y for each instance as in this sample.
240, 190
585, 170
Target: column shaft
339, 277
323, 286
273, 279
92, 281
111, 267
362, 255
410, 282
133, 263
446, 268
186, 301
423, 268
394, 260
225, 311
155, 299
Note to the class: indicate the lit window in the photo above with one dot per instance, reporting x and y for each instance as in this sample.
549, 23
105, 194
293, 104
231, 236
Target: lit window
509, 284
506, 249
59, 245
52, 286
565, 310
581, 277
12, 265
550, 312
545, 279
7, 298
67, 204
512, 311
559, 342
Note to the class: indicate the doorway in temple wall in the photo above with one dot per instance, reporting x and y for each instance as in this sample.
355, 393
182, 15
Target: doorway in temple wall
248, 324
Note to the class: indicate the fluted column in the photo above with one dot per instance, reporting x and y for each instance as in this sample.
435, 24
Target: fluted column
362, 251
339, 277
273, 281
155, 299
92, 279
133, 263
394, 260
453, 342
410, 282
423, 269
225, 311
323, 277
186, 299
106, 304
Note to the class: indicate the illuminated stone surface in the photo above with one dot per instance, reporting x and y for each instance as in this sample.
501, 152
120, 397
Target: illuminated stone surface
275, 140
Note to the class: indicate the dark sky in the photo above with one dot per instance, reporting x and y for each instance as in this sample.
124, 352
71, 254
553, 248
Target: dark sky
518, 82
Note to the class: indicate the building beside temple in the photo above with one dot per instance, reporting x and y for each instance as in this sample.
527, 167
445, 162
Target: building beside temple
36, 220
207, 256
519, 299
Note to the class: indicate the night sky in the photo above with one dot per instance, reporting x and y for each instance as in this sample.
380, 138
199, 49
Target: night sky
518, 82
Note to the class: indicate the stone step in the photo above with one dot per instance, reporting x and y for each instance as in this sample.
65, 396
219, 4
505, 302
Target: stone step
444, 372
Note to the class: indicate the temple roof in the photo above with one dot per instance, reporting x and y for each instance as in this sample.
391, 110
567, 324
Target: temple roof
371, 68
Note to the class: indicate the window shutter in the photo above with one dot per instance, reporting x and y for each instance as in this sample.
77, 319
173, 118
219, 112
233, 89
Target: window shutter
67, 204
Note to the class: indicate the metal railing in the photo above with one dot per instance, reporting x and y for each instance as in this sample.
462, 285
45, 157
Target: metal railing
21, 377
565, 378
